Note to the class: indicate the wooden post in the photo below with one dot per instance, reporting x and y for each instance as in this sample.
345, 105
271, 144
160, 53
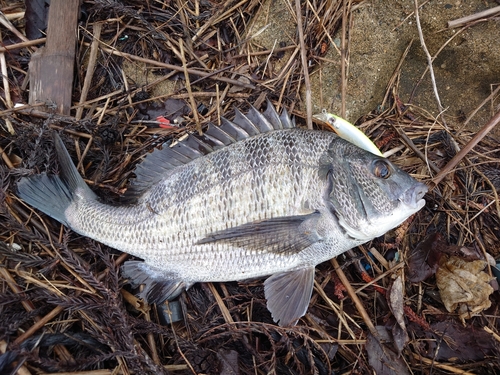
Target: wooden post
51, 68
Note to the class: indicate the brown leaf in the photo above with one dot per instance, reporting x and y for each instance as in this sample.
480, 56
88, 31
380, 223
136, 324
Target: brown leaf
450, 340
424, 259
464, 285
229, 362
399, 338
382, 359
396, 304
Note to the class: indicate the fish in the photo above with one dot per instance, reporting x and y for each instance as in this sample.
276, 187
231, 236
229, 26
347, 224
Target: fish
256, 197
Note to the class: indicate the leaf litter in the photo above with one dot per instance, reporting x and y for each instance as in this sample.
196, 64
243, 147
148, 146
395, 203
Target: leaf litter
62, 301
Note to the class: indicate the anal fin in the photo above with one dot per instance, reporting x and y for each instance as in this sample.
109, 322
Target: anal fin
288, 295
159, 286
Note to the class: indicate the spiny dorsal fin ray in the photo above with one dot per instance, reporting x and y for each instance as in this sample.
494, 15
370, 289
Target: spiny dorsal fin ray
260, 121
242, 121
235, 131
188, 149
287, 121
218, 136
157, 164
272, 116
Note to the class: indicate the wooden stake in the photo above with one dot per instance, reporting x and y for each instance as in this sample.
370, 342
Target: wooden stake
51, 67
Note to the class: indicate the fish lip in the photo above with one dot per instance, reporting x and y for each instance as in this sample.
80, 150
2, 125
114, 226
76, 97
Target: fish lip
413, 197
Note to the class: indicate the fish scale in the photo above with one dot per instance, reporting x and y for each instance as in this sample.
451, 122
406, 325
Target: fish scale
255, 197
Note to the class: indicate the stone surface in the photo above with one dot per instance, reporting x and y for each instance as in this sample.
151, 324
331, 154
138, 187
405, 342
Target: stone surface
467, 69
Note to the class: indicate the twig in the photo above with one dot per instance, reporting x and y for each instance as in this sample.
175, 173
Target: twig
408, 16
5, 275
429, 62
151, 340
4, 21
343, 60
20, 109
414, 148
379, 277
216, 18
434, 58
39, 324
354, 297
224, 310
28, 43
490, 331
14, 16
262, 53
175, 67
322, 24
194, 109
469, 146
6, 159
303, 58
395, 74
61, 351
473, 17
94, 48
452, 369
343, 317
6, 89
490, 97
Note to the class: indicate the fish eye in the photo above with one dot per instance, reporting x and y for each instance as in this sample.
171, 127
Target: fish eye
381, 169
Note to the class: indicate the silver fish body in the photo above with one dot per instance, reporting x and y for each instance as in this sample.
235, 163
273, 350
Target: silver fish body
254, 198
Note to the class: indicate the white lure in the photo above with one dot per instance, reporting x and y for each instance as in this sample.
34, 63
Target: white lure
348, 131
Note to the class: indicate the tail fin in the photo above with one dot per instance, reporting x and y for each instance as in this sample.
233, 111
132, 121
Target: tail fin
54, 194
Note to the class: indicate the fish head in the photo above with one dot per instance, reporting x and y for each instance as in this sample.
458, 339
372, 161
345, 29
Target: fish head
367, 193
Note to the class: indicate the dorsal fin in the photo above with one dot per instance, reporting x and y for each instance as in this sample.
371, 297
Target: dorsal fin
242, 121
236, 132
287, 121
260, 121
272, 116
157, 164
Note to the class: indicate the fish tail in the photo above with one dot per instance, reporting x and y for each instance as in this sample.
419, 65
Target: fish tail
53, 194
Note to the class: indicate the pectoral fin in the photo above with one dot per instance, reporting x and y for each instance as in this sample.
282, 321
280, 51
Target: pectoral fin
288, 295
158, 285
280, 235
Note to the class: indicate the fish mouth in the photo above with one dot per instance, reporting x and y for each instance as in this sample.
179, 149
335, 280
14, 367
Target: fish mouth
413, 197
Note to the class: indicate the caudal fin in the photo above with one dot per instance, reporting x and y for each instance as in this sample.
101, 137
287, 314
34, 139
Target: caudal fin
53, 194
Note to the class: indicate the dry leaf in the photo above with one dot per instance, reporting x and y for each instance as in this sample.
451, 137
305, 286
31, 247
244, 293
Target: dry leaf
447, 341
423, 261
396, 304
229, 362
464, 285
382, 359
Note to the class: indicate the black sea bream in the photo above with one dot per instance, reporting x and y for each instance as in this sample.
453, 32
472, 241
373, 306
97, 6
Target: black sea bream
254, 197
